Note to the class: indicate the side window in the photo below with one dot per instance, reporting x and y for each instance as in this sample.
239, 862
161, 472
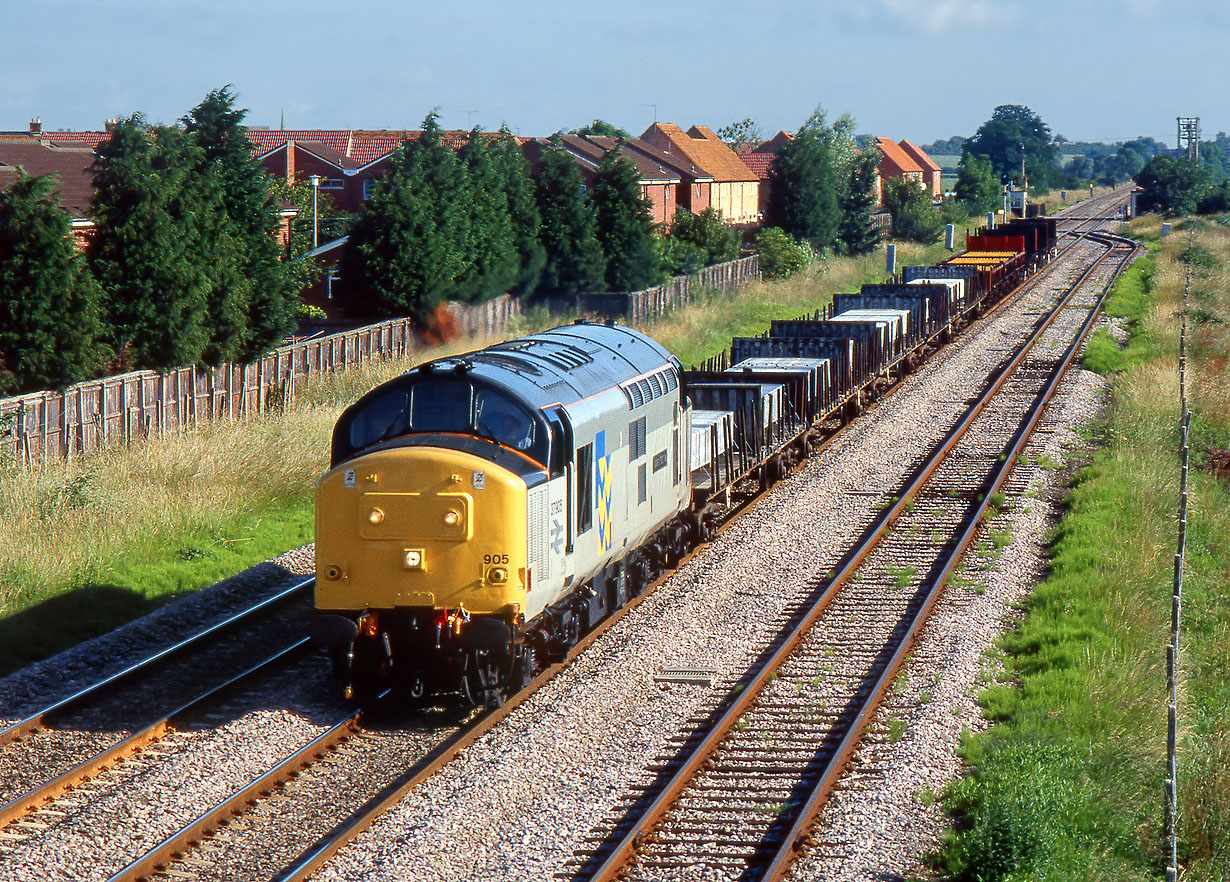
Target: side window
585, 488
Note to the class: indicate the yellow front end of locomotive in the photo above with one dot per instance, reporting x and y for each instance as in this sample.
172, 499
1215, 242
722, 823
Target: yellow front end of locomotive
421, 527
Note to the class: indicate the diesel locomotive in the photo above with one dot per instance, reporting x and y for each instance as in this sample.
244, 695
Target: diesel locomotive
481, 512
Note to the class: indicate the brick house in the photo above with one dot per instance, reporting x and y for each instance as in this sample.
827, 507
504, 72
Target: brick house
930, 171
659, 182
896, 163
72, 163
734, 189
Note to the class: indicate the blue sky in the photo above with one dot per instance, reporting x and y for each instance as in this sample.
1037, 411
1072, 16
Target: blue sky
918, 69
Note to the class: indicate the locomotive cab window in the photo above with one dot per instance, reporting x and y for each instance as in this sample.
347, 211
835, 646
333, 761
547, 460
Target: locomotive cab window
440, 406
382, 418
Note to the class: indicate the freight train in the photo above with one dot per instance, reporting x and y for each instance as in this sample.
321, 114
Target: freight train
482, 512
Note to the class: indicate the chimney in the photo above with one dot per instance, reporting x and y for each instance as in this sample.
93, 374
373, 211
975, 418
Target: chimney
36, 126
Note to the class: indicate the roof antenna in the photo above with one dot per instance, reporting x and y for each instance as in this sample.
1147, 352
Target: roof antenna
282, 124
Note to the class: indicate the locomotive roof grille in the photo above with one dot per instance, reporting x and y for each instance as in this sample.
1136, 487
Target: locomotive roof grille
645, 389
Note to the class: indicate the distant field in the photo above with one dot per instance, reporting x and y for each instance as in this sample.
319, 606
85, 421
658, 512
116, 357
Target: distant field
945, 161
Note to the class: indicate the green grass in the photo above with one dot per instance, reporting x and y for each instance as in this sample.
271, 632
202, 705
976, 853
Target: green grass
1068, 783
139, 578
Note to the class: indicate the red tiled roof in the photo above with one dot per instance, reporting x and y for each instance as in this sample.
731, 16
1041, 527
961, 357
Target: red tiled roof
917, 154
898, 157
595, 147
759, 163
73, 165
705, 151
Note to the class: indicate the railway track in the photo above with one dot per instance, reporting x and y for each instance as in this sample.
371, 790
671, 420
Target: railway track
64, 745
359, 760
739, 798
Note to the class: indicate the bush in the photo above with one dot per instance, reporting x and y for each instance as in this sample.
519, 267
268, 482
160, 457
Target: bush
781, 255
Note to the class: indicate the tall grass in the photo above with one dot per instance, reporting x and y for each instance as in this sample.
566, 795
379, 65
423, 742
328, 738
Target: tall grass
1068, 784
90, 544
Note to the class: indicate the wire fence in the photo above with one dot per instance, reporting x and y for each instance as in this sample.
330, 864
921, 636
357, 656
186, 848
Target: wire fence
1171, 786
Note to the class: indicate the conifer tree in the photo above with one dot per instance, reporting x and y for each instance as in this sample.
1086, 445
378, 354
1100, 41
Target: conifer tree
803, 199
855, 233
496, 261
412, 248
147, 251
624, 226
522, 199
262, 288
50, 321
574, 257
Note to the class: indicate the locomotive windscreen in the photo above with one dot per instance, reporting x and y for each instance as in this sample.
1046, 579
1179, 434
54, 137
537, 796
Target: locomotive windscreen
452, 406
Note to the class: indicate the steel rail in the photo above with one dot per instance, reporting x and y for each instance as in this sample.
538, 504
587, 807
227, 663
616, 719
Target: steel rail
177, 844
739, 703
39, 719
27, 802
795, 839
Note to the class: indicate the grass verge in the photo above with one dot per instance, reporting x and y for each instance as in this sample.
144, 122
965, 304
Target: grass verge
92, 544
1068, 782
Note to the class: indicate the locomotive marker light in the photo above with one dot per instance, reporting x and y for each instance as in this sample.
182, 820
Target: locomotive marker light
412, 559
452, 517
375, 516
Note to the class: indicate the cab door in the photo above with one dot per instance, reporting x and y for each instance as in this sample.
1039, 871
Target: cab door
562, 514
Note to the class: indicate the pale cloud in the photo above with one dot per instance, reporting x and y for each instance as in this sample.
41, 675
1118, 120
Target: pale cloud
939, 16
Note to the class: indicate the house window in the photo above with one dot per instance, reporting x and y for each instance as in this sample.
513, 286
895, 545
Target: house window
332, 184
585, 488
369, 187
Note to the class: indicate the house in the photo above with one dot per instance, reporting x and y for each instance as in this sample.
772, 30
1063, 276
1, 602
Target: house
72, 163
930, 171
733, 189
896, 163
659, 182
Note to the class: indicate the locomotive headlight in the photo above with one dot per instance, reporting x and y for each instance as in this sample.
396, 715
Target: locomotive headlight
452, 518
375, 516
412, 559
497, 575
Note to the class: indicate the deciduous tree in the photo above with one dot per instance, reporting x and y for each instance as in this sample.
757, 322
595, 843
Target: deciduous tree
977, 184
1013, 132
803, 200
914, 218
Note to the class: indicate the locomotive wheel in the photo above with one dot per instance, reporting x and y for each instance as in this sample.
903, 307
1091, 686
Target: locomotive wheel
525, 670
481, 681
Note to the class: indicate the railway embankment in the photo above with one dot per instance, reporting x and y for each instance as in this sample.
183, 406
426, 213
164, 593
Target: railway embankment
1067, 781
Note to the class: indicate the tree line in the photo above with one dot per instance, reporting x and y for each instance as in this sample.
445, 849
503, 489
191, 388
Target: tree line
471, 225
183, 265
